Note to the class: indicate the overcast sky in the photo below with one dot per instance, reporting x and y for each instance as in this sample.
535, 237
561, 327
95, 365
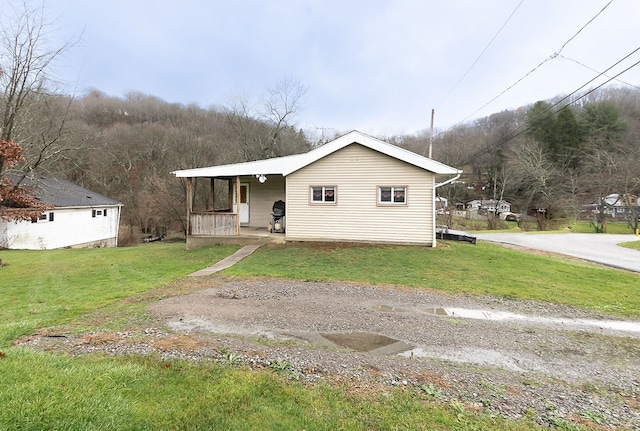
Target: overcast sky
371, 65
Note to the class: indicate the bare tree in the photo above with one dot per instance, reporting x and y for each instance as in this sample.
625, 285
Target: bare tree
27, 138
284, 101
611, 170
538, 183
30, 113
268, 131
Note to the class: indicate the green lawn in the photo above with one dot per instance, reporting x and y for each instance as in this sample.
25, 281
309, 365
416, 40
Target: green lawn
47, 391
483, 269
51, 287
632, 244
54, 392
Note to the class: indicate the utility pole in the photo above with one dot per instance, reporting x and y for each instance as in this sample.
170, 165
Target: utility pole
433, 112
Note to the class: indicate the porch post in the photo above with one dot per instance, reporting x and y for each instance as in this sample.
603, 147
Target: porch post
213, 196
238, 205
189, 203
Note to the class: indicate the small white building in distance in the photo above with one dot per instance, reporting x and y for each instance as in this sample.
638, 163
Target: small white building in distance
78, 218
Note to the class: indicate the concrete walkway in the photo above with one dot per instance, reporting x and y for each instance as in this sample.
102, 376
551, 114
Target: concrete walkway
227, 261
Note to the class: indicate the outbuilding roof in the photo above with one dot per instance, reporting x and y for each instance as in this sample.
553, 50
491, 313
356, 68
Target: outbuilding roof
61, 193
289, 164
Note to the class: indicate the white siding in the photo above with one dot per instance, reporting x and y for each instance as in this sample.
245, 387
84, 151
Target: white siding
71, 227
357, 171
261, 198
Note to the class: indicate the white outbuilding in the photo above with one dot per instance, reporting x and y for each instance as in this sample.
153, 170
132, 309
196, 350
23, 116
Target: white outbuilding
78, 218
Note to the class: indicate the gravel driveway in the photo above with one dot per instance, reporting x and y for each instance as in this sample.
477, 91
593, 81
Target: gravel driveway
503, 356
512, 358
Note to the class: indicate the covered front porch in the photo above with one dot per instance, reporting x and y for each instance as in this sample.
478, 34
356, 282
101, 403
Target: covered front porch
248, 235
232, 209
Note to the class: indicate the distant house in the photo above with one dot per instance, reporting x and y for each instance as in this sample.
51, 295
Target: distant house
489, 205
355, 188
79, 218
616, 206
442, 205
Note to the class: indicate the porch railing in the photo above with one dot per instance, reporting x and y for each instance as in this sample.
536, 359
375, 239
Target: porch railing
213, 224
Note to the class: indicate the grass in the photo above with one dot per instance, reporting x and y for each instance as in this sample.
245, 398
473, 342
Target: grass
45, 288
632, 244
144, 393
555, 226
47, 391
481, 269
611, 227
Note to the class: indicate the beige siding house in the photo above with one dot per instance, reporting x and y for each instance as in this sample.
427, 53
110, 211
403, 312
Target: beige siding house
355, 188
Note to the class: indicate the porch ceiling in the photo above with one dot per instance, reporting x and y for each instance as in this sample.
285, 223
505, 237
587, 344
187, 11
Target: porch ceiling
275, 166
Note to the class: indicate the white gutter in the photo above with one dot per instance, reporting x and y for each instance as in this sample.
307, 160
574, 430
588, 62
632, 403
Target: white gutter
444, 183
450, 180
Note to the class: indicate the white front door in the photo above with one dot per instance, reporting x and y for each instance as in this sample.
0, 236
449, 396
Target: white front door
244, 202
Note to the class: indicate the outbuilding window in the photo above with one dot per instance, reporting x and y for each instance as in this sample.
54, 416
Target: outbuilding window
323, 194
392, 195
43, 217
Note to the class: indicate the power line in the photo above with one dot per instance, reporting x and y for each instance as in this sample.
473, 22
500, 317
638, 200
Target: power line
596, 71
583, 27
551, 57
483, 51
527, 125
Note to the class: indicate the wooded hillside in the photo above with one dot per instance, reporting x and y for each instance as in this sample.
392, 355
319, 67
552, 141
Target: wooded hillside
555, 156
538, 156
551, 158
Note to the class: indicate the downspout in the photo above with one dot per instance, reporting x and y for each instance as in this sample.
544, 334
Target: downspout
118, 215
444, 183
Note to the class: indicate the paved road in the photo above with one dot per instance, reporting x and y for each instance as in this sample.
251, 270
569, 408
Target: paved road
600, 248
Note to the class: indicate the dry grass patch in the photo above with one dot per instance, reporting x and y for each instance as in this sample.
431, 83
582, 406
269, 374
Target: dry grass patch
428, 377
102, 338
180, 342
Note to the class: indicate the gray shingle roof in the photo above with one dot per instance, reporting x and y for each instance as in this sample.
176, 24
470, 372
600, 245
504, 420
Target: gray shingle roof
62, 193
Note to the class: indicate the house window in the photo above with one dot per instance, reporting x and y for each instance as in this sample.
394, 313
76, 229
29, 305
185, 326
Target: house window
392, 195
323, 194
42, 217
104, 212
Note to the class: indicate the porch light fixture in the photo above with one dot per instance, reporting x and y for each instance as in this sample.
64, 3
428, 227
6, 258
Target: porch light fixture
262, 179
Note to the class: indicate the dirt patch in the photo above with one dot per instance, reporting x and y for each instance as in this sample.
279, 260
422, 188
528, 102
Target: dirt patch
543, 367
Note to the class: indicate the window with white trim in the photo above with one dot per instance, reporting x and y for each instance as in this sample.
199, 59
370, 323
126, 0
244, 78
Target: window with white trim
323, 194
42, 217
392, 195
